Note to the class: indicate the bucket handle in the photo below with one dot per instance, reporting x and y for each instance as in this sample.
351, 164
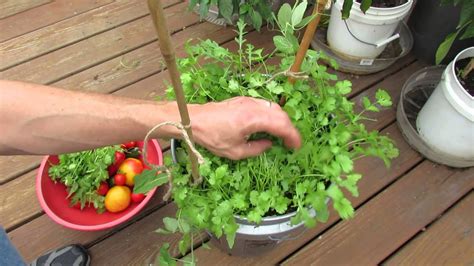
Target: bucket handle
286, 238
376, 45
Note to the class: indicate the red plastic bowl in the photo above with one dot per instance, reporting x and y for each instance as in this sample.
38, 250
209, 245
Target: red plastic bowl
52, 198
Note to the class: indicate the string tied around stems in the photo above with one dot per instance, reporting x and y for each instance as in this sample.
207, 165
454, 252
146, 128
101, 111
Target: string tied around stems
182, 130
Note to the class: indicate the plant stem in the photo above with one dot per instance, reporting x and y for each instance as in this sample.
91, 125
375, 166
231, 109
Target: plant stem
468, 69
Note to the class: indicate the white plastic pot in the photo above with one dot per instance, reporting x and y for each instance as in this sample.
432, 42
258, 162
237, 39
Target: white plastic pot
364, 36
446, 121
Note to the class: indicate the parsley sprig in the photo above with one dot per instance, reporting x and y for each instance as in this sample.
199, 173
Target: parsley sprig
82, 173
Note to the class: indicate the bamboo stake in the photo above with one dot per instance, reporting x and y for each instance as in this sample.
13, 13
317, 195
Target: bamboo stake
307, 37
167, 50
306, 41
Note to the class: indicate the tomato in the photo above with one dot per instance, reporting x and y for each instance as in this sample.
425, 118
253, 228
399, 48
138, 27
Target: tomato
129, 145
120, 180
103, 188
117, 199
119, 157
130, 168
137, 198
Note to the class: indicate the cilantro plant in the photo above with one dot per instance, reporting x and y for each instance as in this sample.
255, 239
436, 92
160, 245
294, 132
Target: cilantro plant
254, 11
279, 181
82, 173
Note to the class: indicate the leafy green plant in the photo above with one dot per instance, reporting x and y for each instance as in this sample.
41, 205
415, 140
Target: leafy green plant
82, 173
366, 4
465, 25
254, 11
279, 181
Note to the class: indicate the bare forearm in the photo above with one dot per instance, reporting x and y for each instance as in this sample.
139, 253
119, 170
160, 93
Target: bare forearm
38, 119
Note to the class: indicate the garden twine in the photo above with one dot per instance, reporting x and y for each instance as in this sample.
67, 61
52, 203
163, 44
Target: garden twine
188, 141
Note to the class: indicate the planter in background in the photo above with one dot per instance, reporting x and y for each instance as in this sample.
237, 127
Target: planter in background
446, 121
214, 18
394, 51
364, 36
430, 23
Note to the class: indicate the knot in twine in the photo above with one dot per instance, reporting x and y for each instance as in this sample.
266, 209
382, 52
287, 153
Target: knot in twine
289, 73
188, 141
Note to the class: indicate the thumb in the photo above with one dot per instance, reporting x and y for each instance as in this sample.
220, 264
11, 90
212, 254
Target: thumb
253, 148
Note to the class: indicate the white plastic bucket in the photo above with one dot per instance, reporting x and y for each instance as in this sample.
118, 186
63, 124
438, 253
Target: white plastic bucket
364, 36
446, 121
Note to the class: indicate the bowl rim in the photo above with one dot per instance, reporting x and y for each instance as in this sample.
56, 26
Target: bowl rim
60, 221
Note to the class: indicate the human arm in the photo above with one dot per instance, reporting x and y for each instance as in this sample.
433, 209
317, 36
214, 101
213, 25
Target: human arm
37, 119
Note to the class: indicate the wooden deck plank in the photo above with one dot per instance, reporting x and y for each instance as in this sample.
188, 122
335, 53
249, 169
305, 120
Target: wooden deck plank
376, 176
393, 85
14, 166
449, 241
18, 200
72, 59
30, 248
12, 7
390, 219
45, 15
125, 70
138, 243
80, 27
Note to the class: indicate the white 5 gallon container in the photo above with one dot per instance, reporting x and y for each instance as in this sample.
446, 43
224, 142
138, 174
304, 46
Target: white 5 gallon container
364, 36
446, 121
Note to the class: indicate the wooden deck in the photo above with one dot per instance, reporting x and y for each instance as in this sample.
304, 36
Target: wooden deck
415, 213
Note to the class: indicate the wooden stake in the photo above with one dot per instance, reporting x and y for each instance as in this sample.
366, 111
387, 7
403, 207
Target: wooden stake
308, 36
306, 41
167, 50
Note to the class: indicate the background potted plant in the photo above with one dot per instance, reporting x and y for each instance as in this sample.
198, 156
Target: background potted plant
290, 187
442, 29
222, 12
446, 121
362, 29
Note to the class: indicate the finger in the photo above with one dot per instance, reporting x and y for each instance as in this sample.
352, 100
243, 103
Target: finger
278, 124
267, 103
251, 149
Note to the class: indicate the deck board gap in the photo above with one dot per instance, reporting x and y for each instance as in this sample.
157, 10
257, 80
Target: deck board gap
88, 37
426, 228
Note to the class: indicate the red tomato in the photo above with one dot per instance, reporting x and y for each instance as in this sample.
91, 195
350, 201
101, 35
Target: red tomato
120, 179
137, 198
129, 145
130, 168
103, 188
118, 160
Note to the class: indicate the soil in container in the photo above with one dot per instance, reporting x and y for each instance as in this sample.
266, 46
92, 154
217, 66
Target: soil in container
466, 80
386, 3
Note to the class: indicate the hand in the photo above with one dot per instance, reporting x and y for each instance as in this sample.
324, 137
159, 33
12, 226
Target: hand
224, 127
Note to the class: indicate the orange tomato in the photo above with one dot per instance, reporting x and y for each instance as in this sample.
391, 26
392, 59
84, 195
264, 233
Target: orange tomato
117, 198
130, 168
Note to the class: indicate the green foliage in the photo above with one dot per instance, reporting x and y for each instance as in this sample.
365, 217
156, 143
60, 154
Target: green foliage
253, 11
281, 180
82, 173
466, 25
347, 5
